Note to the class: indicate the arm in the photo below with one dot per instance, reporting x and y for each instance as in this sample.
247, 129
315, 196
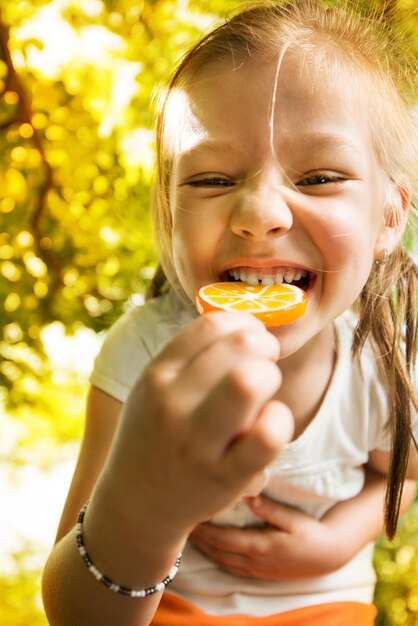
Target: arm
294, 545
379, 461
195, 429
66, 580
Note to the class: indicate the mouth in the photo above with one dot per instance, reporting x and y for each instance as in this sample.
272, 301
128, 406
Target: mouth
301, 278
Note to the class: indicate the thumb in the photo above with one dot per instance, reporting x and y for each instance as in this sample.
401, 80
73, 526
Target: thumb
282, 516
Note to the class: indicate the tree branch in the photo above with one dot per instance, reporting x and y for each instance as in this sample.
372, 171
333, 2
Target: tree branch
24, 115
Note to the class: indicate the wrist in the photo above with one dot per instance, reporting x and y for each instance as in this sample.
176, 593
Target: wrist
119, 537
145, 507
337, 548
106, 580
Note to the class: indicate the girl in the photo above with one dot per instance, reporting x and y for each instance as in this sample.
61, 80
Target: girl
285, 152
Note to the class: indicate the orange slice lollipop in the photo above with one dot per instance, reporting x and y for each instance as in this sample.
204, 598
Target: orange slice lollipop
273, 305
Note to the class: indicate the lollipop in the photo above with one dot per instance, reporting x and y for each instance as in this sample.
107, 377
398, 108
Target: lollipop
274, 305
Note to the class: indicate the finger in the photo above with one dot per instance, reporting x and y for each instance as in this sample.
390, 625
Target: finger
237, 571
251, 543
222, 558
263, 442
217, 359
223, 538
282, 516
232, 408
228, 563
201, 333
251, 564
184, 389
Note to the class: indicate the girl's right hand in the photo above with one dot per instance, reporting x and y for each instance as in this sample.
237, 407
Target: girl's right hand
197, 426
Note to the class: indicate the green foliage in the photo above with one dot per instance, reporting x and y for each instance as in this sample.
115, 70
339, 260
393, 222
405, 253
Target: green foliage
21, 603
396, 566
52, 415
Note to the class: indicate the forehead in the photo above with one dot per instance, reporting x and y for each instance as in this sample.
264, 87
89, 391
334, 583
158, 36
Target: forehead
271, 100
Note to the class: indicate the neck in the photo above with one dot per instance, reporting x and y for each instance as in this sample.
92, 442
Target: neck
306, 377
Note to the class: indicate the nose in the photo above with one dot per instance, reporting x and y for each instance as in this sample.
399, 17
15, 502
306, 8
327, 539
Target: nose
262, 210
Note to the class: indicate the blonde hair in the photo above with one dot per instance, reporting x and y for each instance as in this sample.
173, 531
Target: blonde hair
364, 45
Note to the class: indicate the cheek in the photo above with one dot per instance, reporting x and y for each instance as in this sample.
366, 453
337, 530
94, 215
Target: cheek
192, 252
197, 229
183, 252
187, 237
348, 263
183, 235
347, 240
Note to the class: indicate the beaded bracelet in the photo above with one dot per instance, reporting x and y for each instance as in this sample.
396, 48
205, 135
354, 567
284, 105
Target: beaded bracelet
106, 581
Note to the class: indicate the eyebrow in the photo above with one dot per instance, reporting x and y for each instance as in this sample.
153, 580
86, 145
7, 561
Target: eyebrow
209, 145
309, 141
320, 140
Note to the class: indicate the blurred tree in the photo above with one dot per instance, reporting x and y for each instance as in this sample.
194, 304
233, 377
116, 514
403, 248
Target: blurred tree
21, 603
396, 566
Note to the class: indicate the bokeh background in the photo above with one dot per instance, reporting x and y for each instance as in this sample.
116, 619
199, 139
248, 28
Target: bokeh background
77, 79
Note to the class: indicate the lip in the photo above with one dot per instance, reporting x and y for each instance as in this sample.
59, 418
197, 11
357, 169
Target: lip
265, 264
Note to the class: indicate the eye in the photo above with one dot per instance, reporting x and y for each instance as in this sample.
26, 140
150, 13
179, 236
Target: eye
213, 181
319, 179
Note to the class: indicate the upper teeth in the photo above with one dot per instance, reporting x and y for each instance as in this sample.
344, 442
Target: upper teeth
270, 276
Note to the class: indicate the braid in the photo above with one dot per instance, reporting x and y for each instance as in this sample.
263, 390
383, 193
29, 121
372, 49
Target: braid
158, 284
388, 313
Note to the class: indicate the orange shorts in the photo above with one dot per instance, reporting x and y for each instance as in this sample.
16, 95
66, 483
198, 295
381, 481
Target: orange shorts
174, 611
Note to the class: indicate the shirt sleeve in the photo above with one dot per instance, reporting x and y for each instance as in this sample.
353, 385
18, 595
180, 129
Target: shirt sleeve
122, 358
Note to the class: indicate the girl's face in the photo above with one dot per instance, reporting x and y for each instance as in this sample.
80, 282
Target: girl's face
278, 184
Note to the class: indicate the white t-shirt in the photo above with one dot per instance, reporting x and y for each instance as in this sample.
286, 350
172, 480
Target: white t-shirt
323, 466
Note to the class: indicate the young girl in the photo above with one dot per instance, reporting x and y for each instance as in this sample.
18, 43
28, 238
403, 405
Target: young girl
285, 152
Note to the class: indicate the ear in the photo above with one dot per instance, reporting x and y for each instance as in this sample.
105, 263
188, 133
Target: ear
394, 220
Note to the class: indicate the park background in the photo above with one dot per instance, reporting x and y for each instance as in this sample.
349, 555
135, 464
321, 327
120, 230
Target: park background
77, 79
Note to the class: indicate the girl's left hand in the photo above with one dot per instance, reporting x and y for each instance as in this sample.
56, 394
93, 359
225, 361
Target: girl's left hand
292, 545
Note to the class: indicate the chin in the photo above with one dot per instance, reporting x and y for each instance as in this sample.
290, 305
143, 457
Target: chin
293, 337
290, 342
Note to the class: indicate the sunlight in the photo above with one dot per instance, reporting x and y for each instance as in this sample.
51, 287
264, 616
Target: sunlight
61, 46
57, 51
57, 40
138, 148
35, 497
124, 87
74, 353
